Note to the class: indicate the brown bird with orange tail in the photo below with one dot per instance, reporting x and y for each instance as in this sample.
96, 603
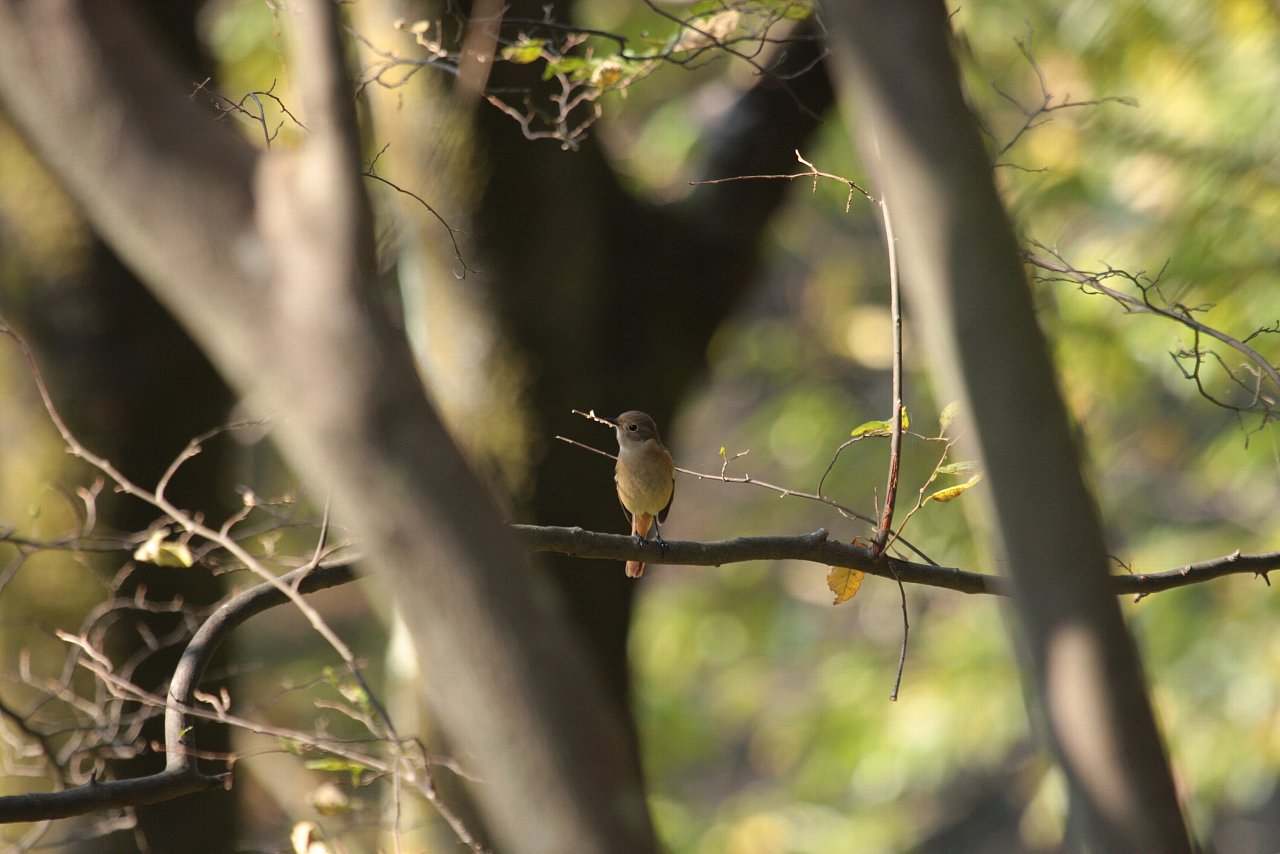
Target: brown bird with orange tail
646, 477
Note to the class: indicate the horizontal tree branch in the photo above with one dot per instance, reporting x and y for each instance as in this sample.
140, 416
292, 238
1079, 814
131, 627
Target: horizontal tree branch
182, 776
114, 794
818, 548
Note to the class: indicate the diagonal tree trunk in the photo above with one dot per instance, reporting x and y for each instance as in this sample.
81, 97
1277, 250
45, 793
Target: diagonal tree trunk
969, 292
267, 260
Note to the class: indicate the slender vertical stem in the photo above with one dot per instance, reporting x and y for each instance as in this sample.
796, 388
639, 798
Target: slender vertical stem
895, 432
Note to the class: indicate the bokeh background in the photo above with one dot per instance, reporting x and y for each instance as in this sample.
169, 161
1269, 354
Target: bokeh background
763, 710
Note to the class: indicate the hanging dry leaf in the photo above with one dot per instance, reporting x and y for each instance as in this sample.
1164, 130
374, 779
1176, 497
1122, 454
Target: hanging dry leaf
844, 582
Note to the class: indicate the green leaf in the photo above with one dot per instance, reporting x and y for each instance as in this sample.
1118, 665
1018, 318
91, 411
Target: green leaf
948, 414
961, 467
523, 52
871, 428
574, 67
355, 694
879, 428
796, 11
788, 10
338, 765
705, 7
333, 763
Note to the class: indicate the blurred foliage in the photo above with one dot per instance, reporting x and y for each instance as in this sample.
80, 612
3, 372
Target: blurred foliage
764, 711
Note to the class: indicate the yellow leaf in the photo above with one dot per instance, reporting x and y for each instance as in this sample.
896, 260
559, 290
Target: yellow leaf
952, 492
163, 552
844, 582
607, 73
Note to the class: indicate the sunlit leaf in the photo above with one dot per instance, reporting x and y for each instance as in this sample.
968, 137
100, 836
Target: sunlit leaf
329, 799
871, 428
333, 763
958, 467
948, 414
705, 8
880, 428
844, 582
305, 840
523, 52
338, 764
797, 11
355, 694
706, 31
953, 492
162, 552
574, 67
607, 72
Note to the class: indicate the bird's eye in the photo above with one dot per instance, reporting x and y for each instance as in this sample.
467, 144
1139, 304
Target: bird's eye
633, 427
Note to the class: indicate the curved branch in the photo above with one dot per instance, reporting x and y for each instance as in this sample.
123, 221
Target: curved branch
817, 548
181, 775
229, 616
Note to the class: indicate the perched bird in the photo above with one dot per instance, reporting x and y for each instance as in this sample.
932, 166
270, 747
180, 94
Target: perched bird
646, 477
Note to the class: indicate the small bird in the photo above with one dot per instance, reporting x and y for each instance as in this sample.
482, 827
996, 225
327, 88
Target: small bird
646, 478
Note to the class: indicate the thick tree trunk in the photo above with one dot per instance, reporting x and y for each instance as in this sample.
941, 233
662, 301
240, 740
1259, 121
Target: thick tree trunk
969, 293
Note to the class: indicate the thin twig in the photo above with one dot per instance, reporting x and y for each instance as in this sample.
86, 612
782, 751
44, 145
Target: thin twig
449, 229
813, 174
783, 492
1180, 315
895, 426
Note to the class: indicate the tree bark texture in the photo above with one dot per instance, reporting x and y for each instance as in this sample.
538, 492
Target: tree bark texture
267, 260
970, 295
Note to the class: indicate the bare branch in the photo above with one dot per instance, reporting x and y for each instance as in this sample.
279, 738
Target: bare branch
114, 794
1038, 115
1143, 304
817, 548
452, 232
